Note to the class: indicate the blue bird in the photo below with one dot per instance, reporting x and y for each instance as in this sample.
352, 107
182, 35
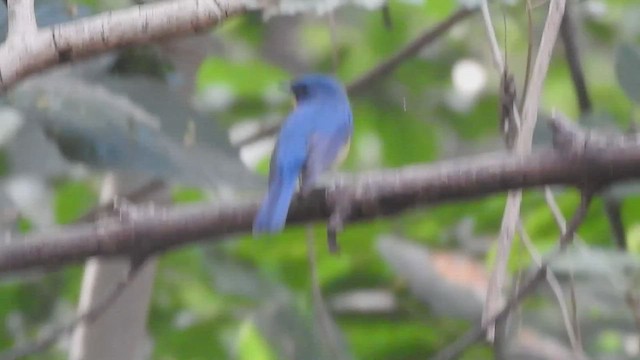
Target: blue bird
312, 139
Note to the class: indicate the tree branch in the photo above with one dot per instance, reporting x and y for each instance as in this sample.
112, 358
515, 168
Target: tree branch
613, 207
411, 49
586, 163
567, 32
104, 32
474, 335
524, 140
384, 68
90, 315
21, 19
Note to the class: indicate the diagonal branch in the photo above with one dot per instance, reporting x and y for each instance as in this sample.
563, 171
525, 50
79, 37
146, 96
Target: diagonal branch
568, 34
379, 71
613, 206
103, 32
410, 50
524, 140
586, 163
474, 335
89, 315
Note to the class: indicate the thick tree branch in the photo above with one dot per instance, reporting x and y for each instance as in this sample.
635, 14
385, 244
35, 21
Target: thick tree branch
104, 32
586, 162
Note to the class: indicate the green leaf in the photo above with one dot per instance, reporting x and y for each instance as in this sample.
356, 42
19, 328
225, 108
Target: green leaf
405, 139
182, 194
633, 239
609, 341
106, 129
244, 79
24, 225
5, 166
628, 70
413, 336
251, 345
73, 199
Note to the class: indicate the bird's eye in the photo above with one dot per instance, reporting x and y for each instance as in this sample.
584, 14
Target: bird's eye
300, 91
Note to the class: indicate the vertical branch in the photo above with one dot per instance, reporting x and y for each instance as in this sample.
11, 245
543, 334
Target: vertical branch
498, 61
126, 285
572, 54
539, 73
523, 147
527, 71
613, 209
567, 32
512, 208
21, 19
325, 324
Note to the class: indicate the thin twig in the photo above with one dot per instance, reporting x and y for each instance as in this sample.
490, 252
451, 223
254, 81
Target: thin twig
613, 207
454, 350
322, 314
539, 73
102, 306
384, 68
340, 212
498, 60
561, 222
572, 54
631, 298
409, 50
90, 315
567, 32
523, 147
583, 207
264, 131
527, 70
511, 212
554, 284
574, 314
385, 10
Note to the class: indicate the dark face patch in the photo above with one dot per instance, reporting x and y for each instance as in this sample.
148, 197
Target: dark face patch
301, 91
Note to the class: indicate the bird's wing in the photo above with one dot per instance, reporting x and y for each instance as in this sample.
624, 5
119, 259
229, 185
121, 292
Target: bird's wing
324, 150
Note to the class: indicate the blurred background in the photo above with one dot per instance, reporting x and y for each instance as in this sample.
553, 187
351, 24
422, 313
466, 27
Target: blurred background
192, 113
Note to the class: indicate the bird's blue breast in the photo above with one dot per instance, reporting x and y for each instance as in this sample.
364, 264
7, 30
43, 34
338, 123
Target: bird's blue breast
319, 119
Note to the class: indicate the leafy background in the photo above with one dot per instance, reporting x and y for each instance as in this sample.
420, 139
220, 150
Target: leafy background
401, 288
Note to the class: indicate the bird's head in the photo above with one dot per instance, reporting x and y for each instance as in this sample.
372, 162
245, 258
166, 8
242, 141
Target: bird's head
316, 86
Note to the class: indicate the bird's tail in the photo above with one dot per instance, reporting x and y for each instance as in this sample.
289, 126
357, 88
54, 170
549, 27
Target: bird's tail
273, 211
